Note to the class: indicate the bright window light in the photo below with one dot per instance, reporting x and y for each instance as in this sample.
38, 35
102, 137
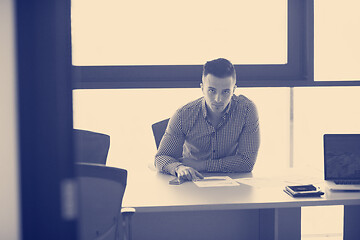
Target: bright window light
318, 111
336, 42
120, 114
162, 32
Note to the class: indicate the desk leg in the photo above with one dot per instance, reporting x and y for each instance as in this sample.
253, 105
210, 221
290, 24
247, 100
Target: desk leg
280, 224
351, 222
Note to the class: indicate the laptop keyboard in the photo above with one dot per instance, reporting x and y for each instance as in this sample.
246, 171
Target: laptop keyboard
347, 182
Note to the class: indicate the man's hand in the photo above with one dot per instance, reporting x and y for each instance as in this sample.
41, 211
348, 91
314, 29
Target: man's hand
187, 173
197, 165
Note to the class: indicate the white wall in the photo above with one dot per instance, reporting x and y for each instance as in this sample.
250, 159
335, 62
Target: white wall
9, 214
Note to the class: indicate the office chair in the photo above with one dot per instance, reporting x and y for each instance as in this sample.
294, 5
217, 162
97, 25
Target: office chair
91, 147
101, 190
159, 130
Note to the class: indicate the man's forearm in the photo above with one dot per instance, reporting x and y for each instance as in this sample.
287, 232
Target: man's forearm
166, 164
237, 163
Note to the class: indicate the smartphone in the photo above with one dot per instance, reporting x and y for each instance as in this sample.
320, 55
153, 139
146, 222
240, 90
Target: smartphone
176, 181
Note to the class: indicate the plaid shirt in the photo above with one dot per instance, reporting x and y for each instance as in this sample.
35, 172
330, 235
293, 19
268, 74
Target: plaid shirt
232, 146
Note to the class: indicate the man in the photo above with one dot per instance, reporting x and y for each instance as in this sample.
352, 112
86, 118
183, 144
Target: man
218, 132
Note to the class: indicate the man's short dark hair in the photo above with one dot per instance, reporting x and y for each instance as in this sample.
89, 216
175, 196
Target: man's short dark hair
220, 68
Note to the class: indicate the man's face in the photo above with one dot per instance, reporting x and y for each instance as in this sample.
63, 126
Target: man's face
217, 92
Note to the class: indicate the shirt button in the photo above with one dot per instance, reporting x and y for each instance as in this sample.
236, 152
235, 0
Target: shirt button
214, 151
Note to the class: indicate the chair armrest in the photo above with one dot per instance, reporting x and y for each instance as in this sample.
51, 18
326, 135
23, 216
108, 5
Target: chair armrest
128, 211
126, 214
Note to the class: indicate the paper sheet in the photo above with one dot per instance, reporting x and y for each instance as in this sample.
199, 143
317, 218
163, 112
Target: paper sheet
267, 182
261, 182
216, 181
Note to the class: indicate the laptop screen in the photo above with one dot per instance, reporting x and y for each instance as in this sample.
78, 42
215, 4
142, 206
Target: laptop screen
342, 156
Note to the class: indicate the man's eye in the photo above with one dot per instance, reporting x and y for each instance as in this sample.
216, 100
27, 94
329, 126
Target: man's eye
227, 92
211, 91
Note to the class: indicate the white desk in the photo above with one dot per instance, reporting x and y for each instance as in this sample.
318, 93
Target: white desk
279, 214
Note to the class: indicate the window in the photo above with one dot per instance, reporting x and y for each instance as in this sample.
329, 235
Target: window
161, 32
322, 110
337, 37
120, 113
269, 48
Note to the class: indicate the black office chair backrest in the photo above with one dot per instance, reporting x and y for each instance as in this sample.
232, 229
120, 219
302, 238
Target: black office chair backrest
159, 130
91, 147
101, 190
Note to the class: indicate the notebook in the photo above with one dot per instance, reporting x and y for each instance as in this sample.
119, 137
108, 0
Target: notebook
342, 161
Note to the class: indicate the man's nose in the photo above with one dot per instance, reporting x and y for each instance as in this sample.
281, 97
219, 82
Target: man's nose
218, 98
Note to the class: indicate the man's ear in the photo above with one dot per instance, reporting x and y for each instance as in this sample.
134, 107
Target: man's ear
202, 86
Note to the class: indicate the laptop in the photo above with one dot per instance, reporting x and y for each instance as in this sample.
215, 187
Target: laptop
342, 161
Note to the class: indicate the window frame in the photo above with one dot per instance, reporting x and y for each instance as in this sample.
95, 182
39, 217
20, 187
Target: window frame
299, 70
